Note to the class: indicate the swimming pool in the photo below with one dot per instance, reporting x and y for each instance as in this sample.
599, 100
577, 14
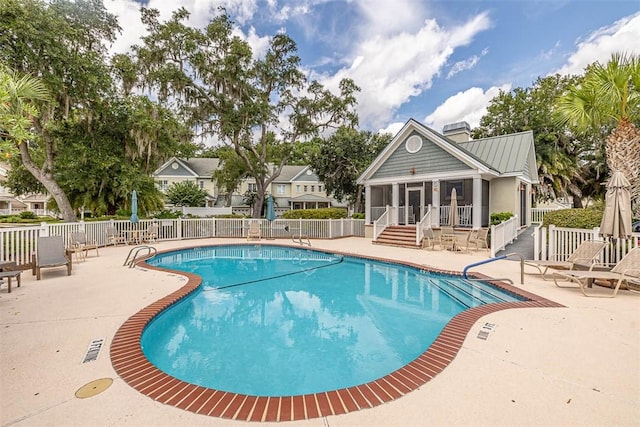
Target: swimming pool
133, 366
282, 321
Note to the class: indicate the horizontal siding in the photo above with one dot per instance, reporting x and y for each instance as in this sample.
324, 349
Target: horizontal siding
430, 159
169, 171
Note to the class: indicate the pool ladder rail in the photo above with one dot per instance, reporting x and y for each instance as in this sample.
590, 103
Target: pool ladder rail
498, 258
134, 254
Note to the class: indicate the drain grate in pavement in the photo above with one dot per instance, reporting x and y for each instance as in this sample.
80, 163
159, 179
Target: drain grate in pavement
93, 351
484, 332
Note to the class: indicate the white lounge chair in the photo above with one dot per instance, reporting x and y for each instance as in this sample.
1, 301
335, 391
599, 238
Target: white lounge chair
585, 254
626, 270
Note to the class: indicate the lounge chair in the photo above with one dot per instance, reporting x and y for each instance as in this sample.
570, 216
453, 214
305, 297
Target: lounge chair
114, 237
626, 270
254, 230
50, 252
585, 254
78, 241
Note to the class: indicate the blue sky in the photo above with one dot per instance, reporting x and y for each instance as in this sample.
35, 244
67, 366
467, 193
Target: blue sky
434, 61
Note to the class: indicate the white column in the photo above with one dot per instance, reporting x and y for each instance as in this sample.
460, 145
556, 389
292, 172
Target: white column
395, 201
477, 203
367, 204
435, 200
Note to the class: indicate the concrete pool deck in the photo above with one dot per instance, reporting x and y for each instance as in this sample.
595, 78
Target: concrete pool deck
577, 365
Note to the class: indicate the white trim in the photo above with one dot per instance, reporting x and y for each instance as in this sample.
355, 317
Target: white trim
426, 133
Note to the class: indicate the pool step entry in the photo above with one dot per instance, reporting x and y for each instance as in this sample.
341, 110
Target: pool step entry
471, 293
138, 253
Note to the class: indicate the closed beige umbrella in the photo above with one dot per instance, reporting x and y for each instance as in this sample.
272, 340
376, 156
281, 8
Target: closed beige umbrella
453, 208
616, 221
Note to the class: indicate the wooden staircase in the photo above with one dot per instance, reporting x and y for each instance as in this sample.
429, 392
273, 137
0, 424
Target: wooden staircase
399, 235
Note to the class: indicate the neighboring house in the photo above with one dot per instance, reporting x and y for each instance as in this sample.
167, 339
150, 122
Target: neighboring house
297, 187
11, 204
197, 170
420, 167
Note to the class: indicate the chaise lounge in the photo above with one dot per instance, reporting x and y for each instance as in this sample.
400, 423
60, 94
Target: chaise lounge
584, 254
50, 252
626, 270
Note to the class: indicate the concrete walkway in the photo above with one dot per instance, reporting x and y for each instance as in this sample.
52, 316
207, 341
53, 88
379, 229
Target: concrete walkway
522, 245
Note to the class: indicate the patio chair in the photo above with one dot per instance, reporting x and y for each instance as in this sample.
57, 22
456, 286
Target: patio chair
429, 238
151, 233
447, 237
254, 230
50, 252
626, 270
79, 241
114, 237
585, 253
478, 238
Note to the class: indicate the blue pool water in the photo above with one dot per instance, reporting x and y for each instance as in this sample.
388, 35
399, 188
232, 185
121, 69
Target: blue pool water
280, 321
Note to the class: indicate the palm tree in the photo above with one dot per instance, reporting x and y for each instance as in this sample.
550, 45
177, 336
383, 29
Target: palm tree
19, 96
610, 95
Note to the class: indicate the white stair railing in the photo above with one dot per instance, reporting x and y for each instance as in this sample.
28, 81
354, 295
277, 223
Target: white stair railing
425, 222
383, 222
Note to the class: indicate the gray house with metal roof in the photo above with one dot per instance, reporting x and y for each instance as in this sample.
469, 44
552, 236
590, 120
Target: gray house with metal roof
420, 167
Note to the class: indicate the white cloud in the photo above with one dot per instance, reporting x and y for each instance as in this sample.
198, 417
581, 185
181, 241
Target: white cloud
392, 128
392, 69
467, 64
383, 17
469, 106
623, 35
201, 13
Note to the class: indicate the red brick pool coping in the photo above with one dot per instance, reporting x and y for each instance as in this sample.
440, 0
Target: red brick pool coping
135, 369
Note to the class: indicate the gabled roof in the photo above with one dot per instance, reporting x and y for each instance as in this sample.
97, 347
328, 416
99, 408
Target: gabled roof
506, 155
195, 167
289, 172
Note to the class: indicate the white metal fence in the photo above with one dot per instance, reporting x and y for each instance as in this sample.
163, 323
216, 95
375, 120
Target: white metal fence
19, 243
558, 243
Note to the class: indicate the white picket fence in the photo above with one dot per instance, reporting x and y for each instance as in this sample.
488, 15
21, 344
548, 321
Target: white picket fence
537, 214
17, 244
558, 243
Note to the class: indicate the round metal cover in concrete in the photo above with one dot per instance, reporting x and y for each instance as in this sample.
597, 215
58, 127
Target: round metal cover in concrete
93, 388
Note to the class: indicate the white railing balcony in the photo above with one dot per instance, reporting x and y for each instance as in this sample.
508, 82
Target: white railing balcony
465, 218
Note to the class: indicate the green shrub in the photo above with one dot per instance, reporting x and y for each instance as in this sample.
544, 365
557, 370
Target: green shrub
358, 215
123, 212
327, 213
167, 214
574, 218
498, 217
28, 215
